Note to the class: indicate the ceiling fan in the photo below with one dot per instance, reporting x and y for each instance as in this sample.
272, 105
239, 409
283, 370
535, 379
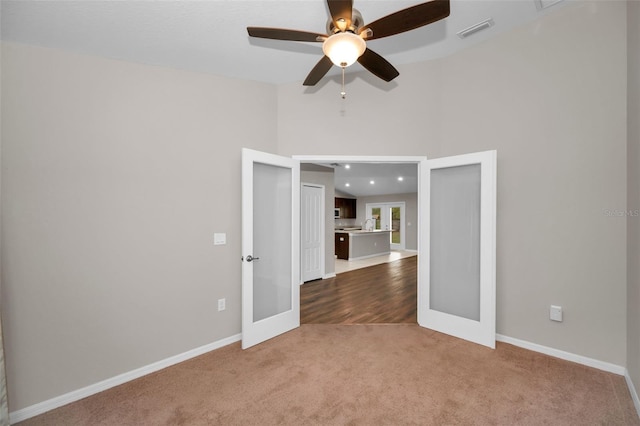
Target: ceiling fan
347, 36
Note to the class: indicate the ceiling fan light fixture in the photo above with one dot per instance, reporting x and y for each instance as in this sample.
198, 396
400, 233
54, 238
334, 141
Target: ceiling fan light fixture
345, 39
344, 48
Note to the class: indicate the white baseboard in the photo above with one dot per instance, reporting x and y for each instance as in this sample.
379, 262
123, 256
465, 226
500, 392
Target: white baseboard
568, 356
632, 390
579, 359
324, 277
369, 256
59, 401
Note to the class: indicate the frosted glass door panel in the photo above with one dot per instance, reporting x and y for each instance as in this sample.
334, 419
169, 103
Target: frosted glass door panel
271, 241
455, 241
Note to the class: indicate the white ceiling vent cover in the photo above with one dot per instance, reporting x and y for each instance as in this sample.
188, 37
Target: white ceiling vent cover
487, 23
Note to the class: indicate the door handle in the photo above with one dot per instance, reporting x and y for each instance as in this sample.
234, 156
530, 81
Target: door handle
251, 258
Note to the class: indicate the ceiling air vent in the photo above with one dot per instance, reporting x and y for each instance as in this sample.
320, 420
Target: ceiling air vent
487, 23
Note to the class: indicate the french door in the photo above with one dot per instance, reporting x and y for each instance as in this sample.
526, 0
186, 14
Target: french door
456, 243
270, 246
389, 217
458, 295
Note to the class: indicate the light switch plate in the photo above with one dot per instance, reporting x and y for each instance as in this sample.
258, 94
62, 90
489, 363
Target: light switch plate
219, 238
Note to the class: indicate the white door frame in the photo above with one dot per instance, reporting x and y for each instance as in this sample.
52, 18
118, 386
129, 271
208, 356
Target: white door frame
323, 220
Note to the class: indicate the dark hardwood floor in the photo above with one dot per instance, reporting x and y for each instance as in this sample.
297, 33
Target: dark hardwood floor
378, 294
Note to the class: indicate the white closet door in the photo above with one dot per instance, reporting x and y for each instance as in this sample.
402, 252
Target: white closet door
312, 231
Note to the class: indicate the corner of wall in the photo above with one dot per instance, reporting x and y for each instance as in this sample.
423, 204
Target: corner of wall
633, 199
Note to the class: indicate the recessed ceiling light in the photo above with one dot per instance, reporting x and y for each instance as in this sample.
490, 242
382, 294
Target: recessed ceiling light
347, 184
400, 178
372, 182
347, 166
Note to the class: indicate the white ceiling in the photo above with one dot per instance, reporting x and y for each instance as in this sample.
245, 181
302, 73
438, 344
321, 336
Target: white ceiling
211, 36
384, 175
355, 178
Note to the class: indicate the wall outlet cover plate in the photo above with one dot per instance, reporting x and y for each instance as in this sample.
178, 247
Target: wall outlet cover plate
219, 238
555, 313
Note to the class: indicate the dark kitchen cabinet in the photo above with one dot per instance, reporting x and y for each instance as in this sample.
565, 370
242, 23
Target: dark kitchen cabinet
347, 207
342, 245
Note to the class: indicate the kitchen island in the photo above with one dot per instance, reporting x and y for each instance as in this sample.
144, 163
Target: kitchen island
360, 244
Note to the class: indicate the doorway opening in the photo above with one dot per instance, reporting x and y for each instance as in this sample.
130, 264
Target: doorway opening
374, 213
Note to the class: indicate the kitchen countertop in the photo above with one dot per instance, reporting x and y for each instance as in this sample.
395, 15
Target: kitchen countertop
361, 231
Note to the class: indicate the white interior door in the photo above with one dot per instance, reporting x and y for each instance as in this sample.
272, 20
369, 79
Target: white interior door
270, 246
312, 231
458, 295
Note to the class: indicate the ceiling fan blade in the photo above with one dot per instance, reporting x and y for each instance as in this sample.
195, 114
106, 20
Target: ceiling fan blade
378, 65
321, 68
341, 9
284, 34
408, 19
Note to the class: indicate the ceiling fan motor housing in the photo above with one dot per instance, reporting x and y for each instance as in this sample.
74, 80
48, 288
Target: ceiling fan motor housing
356, 23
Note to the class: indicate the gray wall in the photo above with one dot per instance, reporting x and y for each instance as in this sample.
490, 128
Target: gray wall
343, 194
411, 214
326, 179
550, 97
4, 404
633, 191
115, 177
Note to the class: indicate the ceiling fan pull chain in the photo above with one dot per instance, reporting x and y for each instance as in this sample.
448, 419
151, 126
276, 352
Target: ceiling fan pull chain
343, 93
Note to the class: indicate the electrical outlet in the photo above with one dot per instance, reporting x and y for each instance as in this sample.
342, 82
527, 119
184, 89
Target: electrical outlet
555, 313
221, 304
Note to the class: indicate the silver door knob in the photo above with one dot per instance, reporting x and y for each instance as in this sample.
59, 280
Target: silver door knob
251, 258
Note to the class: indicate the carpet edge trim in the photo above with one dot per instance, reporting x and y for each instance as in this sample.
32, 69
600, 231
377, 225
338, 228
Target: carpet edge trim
632, 390
67, 398
567, 356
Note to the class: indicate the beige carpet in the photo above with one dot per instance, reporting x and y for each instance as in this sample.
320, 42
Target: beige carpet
361, 375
